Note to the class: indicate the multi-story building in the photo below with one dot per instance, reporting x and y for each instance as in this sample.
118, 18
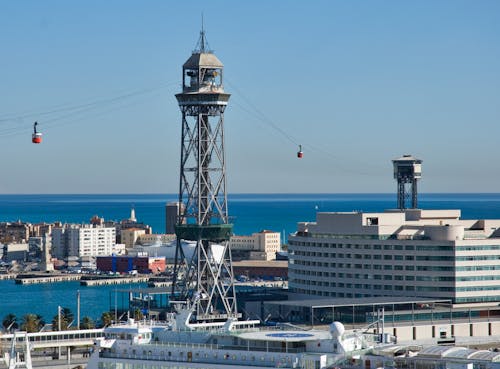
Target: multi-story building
79, 240
155, 239
129, 236
262, 245
410, 253
127, 263
14, 232
172, 211
15, 252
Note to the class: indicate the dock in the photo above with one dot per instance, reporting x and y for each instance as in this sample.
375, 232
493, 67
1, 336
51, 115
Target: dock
7, 276
85, 280
101, 281
45, 278
160, 281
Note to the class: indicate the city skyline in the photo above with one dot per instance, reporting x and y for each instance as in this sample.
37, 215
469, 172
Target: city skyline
357, 84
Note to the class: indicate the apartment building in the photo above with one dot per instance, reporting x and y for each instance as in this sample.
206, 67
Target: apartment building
262, 245
79, 240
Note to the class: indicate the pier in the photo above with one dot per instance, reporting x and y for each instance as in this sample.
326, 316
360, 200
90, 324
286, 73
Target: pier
45, 278
7, 276
96, 281
85, 280
160, 281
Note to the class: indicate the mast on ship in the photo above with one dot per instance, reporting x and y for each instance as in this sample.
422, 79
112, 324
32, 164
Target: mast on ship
204, 278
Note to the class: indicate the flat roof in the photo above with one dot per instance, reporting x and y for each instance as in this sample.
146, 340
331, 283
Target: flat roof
359, 301
261, 263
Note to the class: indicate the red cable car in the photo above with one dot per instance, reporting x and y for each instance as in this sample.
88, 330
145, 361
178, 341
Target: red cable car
300, 154
36, 138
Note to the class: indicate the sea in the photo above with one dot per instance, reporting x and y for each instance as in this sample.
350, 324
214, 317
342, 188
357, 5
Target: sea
250, 212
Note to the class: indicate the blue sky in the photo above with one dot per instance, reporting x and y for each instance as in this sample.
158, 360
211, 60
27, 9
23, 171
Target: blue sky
356, 83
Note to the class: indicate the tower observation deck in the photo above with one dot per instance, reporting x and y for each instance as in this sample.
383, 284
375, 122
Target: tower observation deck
407, 170
203, 217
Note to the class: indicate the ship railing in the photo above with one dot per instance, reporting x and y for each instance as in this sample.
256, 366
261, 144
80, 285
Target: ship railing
224, 355
143, 323
221, 347
147, 349
277, 327
223, 359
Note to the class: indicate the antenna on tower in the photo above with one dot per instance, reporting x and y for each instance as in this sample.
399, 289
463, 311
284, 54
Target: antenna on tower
202, 45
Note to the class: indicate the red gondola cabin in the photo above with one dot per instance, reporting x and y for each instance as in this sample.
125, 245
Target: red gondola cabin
300, 154
36, 138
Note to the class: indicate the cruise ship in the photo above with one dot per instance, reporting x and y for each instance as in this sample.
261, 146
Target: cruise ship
178, 344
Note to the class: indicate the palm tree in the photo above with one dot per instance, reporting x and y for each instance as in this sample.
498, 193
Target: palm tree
67, 314
10, 322
106, 318
87, 323
66, 317
138, 315
32, 323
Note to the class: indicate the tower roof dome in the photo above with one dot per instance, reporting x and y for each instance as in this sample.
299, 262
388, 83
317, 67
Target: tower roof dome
205, 60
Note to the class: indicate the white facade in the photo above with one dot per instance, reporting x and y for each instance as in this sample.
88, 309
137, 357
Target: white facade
155, 239
261, 245
16, 251
424, 253
77, 240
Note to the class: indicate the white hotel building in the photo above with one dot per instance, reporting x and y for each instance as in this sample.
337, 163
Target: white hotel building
410, 253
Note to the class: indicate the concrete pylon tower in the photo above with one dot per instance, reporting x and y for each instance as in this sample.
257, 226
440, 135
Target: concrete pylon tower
407, 170
203, 217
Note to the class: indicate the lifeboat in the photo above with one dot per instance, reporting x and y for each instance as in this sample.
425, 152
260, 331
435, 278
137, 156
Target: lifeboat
36, 138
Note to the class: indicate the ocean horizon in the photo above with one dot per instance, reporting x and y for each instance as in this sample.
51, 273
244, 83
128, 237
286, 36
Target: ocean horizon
250, 212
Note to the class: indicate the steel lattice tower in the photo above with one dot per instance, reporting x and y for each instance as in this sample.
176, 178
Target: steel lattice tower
407, 170
203, 216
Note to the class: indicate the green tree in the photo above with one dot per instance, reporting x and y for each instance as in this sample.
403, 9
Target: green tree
138, 315
10, 322
66, 317
87, 323
106, 318
32, 323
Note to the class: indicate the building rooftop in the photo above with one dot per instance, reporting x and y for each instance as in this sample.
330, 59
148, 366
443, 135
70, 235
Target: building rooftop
261, 263
436, 225
359, 301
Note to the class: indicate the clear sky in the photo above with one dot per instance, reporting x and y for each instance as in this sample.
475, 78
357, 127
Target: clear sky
356, 83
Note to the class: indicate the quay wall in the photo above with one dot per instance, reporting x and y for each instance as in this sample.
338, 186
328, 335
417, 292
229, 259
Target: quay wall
26, 279
112, 281
46, 279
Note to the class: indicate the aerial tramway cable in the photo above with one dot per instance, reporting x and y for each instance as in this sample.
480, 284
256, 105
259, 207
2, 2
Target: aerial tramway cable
340, 162
14, 124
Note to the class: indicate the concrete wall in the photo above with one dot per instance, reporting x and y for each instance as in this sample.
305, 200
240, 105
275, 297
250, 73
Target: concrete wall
439, 331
